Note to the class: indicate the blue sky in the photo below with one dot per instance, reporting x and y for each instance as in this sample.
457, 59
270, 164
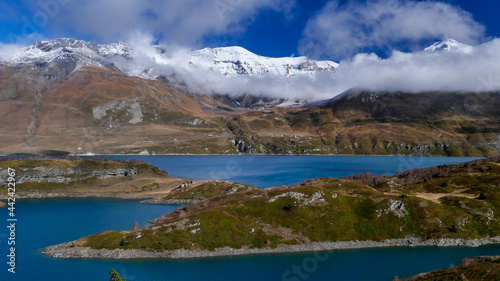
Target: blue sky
266, 27
282, 39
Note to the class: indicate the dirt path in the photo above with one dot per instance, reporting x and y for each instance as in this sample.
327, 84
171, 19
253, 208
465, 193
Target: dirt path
434, 197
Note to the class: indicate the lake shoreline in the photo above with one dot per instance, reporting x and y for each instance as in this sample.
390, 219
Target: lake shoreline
156, 201
69, 251
124, 196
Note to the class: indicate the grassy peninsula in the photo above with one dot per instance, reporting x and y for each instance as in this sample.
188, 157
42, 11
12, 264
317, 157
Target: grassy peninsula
447, 205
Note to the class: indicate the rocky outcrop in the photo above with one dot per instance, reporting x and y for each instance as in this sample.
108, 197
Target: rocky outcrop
191, 122
68, 250
136, 226
301, 198
243, 147
56, 175
497, 144
131, 107
397, 208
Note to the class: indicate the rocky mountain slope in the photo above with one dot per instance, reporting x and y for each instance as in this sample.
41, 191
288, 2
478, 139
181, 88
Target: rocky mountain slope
451, 207
365, 122
68, 52
67, 95
72, 54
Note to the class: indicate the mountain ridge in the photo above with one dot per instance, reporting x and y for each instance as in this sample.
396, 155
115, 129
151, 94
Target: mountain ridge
59, 104
70, 55
208, 58
237, 61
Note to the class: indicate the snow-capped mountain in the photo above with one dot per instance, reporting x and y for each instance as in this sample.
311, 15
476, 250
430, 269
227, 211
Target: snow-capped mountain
69, 49
58, 58
449, 45
229, 61
237, 61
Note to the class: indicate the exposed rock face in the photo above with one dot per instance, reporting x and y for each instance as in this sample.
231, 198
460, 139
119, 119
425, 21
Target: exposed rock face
497, 144
132, 107
56, 175
301, 198
397, 208
243, 147
191, 122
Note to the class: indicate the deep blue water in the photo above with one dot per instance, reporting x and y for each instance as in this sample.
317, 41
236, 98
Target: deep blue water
52, 221
267, 171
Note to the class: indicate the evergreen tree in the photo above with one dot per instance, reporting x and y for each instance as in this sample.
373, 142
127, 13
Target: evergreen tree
115, 276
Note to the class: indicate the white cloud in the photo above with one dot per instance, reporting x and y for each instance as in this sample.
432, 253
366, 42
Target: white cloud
341, 31
7, 51
175, 62
477, 70
183, 22
449, 71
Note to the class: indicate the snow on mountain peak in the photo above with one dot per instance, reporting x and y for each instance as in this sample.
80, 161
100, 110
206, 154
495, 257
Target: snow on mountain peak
237, 61
228, 61
115, 49
70, 49
449, 45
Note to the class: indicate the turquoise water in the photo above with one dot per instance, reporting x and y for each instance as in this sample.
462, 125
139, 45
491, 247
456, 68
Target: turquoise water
267, 171
52, 221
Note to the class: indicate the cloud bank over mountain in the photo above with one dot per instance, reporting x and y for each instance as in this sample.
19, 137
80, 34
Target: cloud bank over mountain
462, 69
446, 66
176, 63
450, 66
